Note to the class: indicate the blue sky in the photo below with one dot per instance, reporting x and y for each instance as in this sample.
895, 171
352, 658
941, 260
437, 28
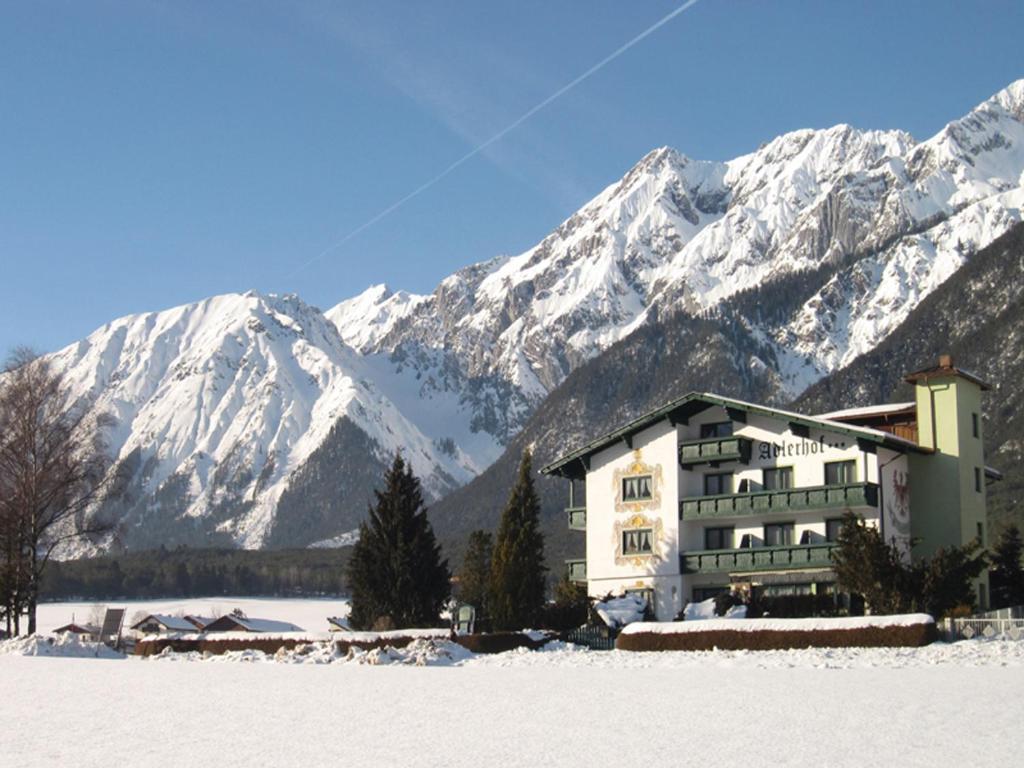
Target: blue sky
155, 153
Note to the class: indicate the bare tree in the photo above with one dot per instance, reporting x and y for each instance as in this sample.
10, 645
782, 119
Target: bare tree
53, 468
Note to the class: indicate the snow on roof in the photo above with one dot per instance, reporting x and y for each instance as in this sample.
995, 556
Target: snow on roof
201, 621
78, 629
266, 625
338, 623
866, 411
173, 623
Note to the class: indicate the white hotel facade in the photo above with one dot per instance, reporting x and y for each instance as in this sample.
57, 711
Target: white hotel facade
709, 493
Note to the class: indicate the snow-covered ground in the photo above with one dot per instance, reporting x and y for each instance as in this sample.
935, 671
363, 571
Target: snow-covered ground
954, 704
435, 704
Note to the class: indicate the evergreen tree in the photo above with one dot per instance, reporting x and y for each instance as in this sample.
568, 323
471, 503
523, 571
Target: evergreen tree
867, 566
396, 574
1007, 575
475, 575
517, 571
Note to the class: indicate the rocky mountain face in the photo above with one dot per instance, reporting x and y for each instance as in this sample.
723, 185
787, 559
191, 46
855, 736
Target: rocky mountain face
762, 274
223, 408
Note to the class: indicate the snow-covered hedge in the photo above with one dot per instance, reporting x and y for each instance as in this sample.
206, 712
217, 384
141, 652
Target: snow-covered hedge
909, 630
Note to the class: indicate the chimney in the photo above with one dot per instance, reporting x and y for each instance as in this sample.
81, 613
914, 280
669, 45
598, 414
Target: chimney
945, 361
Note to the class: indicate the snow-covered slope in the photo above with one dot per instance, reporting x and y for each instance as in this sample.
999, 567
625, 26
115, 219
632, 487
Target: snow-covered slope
888, 219
228, 406
218, 403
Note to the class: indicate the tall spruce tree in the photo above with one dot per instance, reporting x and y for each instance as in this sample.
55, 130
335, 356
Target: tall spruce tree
1007, 574
517, 571
396, 574
475, 574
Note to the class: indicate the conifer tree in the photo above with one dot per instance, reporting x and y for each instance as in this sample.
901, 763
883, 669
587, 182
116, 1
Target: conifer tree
396, 574
1007, 575
475, 575
517, 572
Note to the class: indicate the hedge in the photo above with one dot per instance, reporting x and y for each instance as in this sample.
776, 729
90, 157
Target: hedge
907, 636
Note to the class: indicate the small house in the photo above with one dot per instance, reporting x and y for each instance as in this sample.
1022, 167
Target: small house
84, 632
162, 624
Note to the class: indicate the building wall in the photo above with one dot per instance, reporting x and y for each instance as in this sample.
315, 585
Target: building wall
608, 568
948, 509
774, 445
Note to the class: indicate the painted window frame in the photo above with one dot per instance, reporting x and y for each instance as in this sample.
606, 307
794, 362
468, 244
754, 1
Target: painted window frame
638, 532
636, 478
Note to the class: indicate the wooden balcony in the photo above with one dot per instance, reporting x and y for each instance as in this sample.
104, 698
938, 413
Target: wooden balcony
714, 450
577, 570
784, 500
577, 518
757, 558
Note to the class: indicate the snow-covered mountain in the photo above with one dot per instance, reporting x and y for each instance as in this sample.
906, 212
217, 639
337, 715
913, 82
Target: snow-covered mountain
228, 406
887, 218
219, 403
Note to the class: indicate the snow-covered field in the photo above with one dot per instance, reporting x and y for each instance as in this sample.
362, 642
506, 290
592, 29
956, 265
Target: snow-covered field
950, 704
953, 704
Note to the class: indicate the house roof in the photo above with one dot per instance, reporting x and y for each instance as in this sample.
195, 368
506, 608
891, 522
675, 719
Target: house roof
574, 465
870, 411
252, 625
945, 369
78, 629
173, 623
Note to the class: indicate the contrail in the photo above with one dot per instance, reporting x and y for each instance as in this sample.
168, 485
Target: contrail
500, 134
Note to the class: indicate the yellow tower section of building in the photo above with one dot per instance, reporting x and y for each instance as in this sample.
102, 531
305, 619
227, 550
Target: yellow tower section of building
948, 486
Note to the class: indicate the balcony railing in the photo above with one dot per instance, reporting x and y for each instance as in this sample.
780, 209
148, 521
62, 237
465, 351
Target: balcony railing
577, 570
784, 500
756, 558
714, 449
577, 518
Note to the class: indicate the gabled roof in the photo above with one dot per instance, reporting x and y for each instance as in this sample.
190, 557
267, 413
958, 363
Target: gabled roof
172, 623
575, 464
241, 623
943, 370
77, 629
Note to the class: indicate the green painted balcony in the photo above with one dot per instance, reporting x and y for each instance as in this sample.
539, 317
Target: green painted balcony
714, 450
784, 500
757, 558
577, 570
577, 518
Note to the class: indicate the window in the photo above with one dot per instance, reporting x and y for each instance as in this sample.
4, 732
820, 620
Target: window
832, 529
637, 541
977, 479
981, 534
778, 478
778, 535
718, 429
719, 538
975, 426
840, 472
718, 484
637, 488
